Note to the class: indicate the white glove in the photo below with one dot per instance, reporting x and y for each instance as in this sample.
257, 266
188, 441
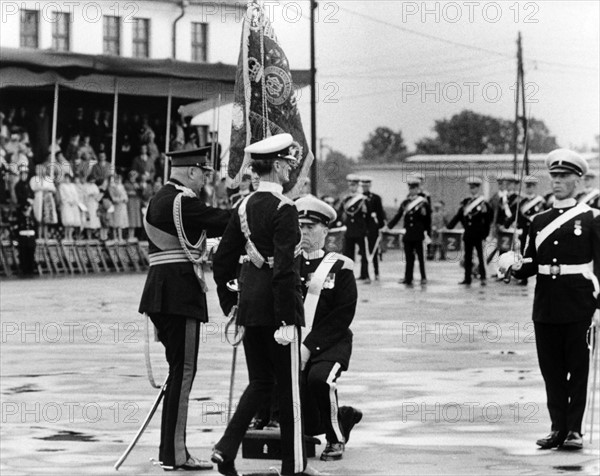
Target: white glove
509, 260
304, 356
285, 334
427, 239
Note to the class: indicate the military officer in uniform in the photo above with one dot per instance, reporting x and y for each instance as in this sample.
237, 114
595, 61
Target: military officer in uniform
563, 249
177, 224
330, 304
353, 210
424, 193
475, 215
264, 232
591, 194
417, 224
375, 220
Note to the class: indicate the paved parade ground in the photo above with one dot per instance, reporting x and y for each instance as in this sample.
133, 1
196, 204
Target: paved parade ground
446, 377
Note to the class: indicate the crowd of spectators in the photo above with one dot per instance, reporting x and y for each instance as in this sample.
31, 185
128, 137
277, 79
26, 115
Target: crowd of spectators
79, 194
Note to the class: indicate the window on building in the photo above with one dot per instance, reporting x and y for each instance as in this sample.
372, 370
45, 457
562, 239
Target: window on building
141, 38
30, 28
112, 35
199, 42
60, 31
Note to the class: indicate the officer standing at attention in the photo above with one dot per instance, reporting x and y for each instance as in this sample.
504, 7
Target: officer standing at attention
265, 232
417, 223
329, 305
177, 223
353, 211
563, 249
591, 194
475, 215
375, 220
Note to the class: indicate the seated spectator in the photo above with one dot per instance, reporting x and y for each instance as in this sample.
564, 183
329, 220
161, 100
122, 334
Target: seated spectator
44, 201
143, 163
72, 151
85, 150
101, 170
134, 203
23, 192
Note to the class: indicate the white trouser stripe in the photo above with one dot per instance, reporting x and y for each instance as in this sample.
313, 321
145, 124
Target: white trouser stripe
295, 361
333, 409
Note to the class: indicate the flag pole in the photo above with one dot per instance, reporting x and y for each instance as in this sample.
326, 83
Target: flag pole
313, 100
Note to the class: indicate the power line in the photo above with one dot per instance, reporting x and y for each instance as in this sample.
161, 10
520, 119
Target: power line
462, 45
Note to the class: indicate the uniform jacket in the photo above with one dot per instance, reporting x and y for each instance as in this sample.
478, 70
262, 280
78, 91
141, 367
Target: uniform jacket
173, 288
375, 214
354, 215
331, 338
528, 207
564, 298
476, 223
268, 296
417, 221
591, 197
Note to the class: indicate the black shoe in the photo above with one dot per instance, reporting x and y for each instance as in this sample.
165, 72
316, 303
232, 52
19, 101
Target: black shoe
522, 282
484, 282
333, 452
423, 281
225, 465
405, 281
348, 418
464, 281
573, 441
553, 440
192, 464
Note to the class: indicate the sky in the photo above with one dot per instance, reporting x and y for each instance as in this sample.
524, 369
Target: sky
404, 65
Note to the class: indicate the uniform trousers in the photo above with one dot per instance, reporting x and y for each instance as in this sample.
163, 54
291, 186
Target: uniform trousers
372, 238
470, 245
269, 362
180, 335
411, 248
564, 362
349, 248
320, 400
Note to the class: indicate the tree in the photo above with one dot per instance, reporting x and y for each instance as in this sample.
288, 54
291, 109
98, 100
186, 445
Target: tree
384, 146
331, 173
472, 133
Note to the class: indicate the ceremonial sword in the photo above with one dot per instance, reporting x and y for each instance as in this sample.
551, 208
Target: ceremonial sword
238, 335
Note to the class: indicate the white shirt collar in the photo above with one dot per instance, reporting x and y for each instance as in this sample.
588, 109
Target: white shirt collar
313, 254
266, 186
565, 203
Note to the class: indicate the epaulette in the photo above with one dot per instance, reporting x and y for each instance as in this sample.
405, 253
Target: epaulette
283, 200
347, 262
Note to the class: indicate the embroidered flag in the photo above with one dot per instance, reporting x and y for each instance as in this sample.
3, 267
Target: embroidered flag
264, 100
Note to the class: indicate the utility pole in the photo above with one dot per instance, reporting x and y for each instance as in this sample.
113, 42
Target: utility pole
520, 101
313, 99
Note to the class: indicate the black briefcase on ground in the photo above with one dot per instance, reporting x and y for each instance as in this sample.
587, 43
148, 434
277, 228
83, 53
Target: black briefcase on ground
266, 444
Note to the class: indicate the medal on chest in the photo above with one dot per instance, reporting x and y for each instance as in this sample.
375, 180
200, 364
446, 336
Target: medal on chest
577, 231
329, 281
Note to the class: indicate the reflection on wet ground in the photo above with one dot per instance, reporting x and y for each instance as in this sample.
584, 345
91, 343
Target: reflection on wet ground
66, 435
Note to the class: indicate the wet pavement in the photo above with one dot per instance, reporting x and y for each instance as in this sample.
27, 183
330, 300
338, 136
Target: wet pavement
446, 377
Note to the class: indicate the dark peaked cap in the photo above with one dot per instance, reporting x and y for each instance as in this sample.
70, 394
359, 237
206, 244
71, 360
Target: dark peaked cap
191, 158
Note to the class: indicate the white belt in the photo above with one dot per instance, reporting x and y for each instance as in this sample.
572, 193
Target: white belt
171, 256
584, 269
27, 233
556, 269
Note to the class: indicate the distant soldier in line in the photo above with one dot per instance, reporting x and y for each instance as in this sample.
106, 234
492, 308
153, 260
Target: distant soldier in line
330, 304
529, 205
375, 220
177, 224
591, 194
424, 193
353, 210
563, 249
417, 223
475, 215
439, 221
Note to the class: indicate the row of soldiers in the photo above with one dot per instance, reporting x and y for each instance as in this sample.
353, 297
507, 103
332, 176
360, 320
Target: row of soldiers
511, 208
